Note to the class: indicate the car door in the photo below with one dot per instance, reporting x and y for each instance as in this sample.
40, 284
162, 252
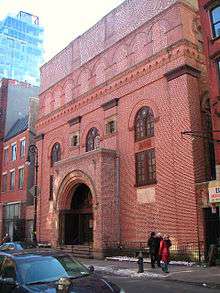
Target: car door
8, 270
2, 259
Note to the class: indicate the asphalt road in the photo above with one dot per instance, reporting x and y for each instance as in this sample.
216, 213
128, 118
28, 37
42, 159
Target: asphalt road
131, 285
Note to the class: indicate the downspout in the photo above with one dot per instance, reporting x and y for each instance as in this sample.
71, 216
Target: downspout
117, 196
117, 179
40, 185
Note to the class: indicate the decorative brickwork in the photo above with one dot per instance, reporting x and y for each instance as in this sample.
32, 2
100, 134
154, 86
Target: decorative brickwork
133, 71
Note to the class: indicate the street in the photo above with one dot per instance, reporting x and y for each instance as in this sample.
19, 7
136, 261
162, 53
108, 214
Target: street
132, 285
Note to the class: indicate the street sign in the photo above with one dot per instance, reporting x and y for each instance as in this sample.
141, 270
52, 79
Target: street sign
214, 191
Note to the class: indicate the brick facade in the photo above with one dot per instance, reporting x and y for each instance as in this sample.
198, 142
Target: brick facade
19, 194
158, 64
212, 53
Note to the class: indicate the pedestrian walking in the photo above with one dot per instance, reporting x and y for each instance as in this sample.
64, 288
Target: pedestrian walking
165, 244
158, 239
151, 244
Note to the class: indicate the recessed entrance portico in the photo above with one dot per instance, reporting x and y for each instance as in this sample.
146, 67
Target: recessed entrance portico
76, 223
86, 207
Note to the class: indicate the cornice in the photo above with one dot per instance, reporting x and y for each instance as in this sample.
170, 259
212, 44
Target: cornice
39, 137
215, 55
182, 48
110, 104
74, 120
181, 70
93, 153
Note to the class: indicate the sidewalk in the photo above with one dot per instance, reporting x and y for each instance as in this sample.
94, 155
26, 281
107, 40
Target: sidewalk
198, 275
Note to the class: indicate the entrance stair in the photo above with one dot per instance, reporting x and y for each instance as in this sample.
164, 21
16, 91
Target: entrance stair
81, 251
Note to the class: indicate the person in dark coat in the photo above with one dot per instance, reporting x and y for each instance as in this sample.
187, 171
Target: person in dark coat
165, 252
151, 244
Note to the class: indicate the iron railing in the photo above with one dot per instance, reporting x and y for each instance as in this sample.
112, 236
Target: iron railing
189, 251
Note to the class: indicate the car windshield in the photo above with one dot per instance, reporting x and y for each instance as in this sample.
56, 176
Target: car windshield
37, 269
26, 245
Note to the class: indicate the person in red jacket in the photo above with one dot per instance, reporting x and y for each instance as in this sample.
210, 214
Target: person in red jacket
165, 244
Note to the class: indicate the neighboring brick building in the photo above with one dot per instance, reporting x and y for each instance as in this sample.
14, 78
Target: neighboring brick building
113, 105
14, 103
16, 209
210, 191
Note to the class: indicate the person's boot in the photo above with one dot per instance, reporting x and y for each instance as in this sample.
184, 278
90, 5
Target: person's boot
166, 268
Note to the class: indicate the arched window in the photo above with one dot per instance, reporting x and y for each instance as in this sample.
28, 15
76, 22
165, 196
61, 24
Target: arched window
55, 153
144, 124
92, 139
215, 19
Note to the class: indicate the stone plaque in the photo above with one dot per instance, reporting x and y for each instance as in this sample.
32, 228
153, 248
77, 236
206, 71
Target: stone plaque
146, 195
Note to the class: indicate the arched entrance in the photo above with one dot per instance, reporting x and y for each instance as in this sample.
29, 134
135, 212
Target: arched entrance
77, 221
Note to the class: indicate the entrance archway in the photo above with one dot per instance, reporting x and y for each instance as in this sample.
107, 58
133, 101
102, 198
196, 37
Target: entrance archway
77, 221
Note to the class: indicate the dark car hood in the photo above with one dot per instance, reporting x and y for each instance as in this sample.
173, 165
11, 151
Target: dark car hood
88, 284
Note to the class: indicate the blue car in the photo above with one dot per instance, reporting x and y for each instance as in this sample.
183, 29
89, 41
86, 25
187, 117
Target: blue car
49, 271
17, 245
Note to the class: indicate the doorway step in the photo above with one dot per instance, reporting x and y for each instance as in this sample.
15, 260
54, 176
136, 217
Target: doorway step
81, 251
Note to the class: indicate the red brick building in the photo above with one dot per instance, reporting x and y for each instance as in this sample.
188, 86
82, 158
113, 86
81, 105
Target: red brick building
113, 105
14, 103
16, 208
210, 28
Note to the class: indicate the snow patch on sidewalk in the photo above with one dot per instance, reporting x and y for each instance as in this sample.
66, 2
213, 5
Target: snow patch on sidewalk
127, 272
147, 260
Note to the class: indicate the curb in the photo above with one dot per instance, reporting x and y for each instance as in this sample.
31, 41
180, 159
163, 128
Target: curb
199, 284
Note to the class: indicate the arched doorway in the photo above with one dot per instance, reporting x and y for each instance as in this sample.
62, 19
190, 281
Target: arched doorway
77, 221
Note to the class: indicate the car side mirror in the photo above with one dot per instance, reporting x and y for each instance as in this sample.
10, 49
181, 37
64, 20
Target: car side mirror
91, 269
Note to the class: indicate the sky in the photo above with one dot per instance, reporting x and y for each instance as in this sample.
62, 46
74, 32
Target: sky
63, 20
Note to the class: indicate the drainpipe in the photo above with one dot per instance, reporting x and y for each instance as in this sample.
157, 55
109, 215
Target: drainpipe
117, 196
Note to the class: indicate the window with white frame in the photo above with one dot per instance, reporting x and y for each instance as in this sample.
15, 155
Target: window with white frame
12, 211
13, 151
21, 177
22, 148
215, 19
12, 180
218, 70
4, 182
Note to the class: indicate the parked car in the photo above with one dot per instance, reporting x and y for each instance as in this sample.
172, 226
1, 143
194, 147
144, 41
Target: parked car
17, 245
49, 271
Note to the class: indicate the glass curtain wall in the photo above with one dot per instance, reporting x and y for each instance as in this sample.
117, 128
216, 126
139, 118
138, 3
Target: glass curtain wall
21, 48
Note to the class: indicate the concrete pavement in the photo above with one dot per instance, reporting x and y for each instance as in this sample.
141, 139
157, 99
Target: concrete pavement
199, 275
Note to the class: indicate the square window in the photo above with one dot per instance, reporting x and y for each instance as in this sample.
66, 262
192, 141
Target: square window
110, 127
74, 140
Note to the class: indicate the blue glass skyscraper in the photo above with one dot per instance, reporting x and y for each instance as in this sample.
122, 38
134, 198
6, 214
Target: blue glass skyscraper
21, 48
